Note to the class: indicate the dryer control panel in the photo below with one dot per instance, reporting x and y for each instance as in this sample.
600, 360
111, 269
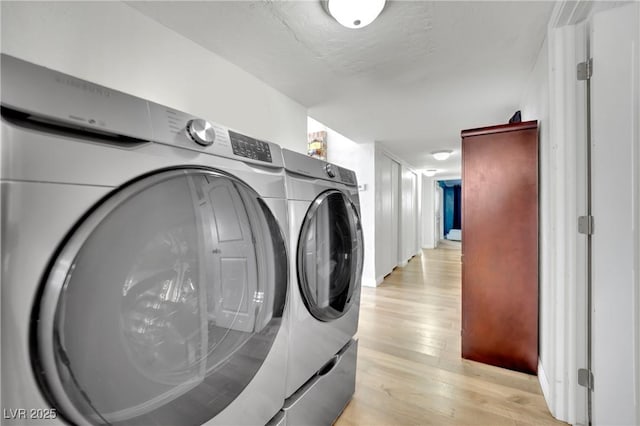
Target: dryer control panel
347, 176
308, 166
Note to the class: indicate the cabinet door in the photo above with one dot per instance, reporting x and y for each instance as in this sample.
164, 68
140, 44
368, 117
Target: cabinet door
500, 246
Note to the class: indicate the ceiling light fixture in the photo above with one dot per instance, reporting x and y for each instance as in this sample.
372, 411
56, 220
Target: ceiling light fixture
441, 155
430, 172
355, 13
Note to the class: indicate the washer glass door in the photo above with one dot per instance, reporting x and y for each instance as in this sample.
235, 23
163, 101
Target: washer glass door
330, 252
164, 303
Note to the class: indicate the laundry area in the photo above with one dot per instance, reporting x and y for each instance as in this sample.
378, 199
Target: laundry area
318, 212
166, 297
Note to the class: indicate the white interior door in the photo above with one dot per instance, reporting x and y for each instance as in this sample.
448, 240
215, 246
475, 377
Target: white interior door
614, 106
408, 214
395, 224
387, 225
579, 308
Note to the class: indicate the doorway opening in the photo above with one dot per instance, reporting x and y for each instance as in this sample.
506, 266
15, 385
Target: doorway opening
451, 209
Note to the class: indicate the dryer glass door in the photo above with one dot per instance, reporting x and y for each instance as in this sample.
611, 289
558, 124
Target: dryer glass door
330, 252
164, 303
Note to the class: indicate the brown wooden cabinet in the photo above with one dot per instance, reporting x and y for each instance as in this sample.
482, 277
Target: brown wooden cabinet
500, 245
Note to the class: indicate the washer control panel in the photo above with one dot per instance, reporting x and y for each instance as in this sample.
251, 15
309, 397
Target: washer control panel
249, 147
179, 129
201, 131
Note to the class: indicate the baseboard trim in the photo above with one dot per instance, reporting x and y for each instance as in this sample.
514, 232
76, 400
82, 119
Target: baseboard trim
369, 282
546, 389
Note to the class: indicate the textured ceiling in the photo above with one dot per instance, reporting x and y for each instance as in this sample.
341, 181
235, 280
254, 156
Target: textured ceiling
411, 80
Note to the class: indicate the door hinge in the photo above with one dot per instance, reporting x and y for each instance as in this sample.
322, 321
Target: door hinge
585, 378
585, 70
585, 225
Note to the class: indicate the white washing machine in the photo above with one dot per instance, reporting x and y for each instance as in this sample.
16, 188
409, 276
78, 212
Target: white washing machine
144, 266
326, 248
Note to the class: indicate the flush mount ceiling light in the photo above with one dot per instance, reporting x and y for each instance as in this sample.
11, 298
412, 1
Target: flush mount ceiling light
355, 13
430, 172
441, 155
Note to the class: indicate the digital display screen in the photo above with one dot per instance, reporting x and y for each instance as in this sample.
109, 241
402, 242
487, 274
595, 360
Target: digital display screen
347, 176
248, 147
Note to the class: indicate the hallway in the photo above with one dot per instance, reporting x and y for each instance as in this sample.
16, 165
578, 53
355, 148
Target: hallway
409, 365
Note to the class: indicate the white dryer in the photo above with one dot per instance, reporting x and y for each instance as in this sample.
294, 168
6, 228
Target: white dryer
326, 248
144, 266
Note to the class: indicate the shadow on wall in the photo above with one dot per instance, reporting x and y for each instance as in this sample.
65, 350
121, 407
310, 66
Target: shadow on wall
452, 208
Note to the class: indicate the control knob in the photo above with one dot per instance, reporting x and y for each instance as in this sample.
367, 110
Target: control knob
331, 170
201, 131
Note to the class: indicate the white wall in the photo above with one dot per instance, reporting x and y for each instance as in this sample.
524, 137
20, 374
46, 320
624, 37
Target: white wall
535, 106
112, 44
359, 158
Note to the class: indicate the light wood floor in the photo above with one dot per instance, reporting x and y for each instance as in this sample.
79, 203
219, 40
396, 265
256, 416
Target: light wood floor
409, 367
